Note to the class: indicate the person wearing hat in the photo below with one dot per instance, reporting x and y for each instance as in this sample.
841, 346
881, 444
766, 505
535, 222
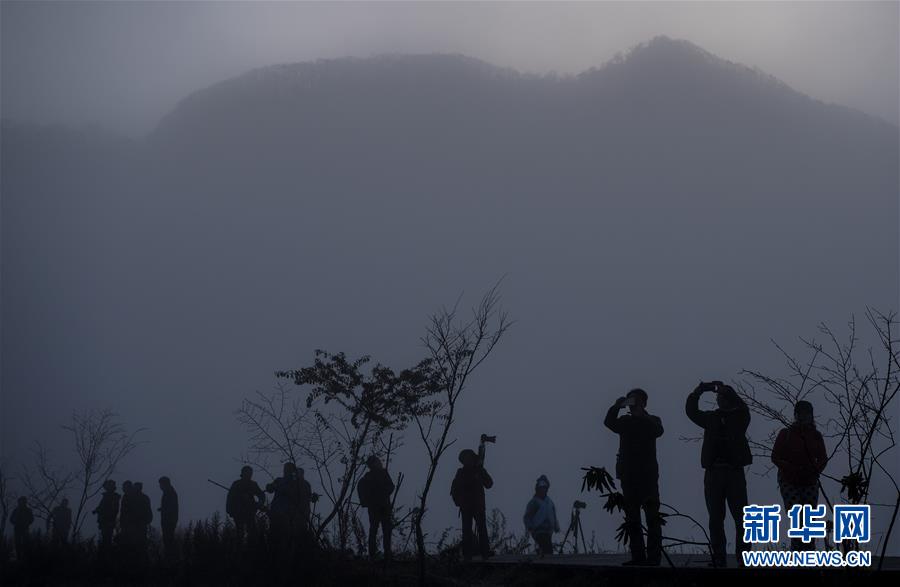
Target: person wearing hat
723, 455
375, 490
800, 455
540, 517
107, 511
467, 491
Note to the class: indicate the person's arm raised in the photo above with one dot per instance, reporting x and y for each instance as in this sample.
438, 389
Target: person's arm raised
612, 416
692, 407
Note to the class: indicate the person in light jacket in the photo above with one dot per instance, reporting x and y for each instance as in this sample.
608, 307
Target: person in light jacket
540, 517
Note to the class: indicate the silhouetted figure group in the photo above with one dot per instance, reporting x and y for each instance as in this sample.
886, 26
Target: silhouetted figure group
135, 517
131, 515
122, 520
799, 453
289, 512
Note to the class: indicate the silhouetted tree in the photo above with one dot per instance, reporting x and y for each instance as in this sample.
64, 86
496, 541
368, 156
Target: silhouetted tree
858, 385
597, 478
276, 424
351, 409
456, 347
45, 484
101, 442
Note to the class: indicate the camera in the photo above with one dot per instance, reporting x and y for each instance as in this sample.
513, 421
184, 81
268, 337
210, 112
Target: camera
486, 438
578, 505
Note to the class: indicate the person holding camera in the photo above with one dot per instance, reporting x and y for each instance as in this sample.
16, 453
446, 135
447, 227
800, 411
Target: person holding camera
638, 472
724, 454
467, 491
540, 517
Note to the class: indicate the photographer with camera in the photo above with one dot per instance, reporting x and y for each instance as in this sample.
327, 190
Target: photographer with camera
467, 491
540, 517
724, 454
638, 472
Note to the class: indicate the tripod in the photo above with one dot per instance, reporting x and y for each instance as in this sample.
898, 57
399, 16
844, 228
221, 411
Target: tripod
575, 529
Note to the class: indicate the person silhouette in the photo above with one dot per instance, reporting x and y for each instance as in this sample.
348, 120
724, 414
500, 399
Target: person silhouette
723, 455
168, 514
143, 517
467, 491
540, 517
60, 522
638, 473
284, 509
127, 522
107, 511
21, 519
800, 455
375, 489
244, 499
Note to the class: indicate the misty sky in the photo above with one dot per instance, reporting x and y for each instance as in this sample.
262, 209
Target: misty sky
126, 64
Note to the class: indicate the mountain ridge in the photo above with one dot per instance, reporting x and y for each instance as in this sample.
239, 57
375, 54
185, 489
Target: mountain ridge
650, 63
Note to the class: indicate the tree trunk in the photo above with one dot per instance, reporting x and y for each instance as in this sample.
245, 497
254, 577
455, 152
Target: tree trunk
887, 537
345, 485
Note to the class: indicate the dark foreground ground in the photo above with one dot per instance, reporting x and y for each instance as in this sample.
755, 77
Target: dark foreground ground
573, 570
607, 569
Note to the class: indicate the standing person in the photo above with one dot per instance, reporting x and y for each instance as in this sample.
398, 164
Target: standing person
724, 454
638, 472
168, 514
143, 516
540, 517
61, 521
284, 510
127, 524
21, 519
375, 490
244, 499
107, 511
799, 453
467, 491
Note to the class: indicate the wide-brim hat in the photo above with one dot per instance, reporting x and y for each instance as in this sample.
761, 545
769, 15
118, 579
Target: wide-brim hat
466, 453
